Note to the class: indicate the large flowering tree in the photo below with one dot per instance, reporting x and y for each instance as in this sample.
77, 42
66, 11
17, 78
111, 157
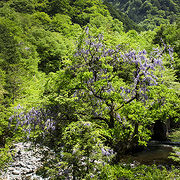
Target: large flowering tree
120, 90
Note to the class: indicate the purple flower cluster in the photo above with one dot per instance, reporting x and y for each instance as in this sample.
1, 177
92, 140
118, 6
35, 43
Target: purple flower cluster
107, 152
33, 119
143, 75
137, 69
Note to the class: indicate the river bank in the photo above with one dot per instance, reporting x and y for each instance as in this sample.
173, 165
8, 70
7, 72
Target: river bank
28, 159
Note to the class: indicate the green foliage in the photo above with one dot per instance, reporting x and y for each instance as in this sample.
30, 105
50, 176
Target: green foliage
4, 133
80, 11
5, 157
23, 6
8, 42
90, 87
86, 81
175, 135
2, 83
175, 155
83, 153
83, 148
52, 47
59, 6
170, 35
27, 7
139, 172
62, 24
150, 13
127, 22
167, 106
41, 19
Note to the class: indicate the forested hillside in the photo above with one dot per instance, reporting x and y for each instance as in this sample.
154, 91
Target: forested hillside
83, 79
149, 13
161, 16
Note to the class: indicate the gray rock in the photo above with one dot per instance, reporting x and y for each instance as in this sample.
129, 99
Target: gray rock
30, 167
14, 177
22, 164
30, 172
14, 165
26, 162
29, 162
15, 172
11, 169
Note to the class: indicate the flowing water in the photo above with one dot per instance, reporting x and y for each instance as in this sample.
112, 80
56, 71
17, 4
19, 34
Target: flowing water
155, 153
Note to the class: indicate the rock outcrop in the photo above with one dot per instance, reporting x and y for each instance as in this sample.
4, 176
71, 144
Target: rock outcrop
25, 163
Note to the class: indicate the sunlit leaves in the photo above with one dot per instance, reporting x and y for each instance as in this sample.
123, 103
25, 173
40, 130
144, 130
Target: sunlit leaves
52, 48
105, 65
84, 152
116, 84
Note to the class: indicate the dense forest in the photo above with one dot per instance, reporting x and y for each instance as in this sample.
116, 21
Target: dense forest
90, 80
149, 13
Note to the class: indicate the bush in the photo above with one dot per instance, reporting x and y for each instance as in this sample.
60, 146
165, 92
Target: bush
143, 172
83, 152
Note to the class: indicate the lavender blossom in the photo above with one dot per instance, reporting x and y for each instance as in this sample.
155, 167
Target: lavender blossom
87, 30
33, 119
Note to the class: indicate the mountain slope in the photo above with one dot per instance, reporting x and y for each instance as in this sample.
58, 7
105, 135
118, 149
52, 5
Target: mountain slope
127, 22
149, 13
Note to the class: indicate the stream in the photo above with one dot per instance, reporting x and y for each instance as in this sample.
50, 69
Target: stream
27, 161
155, 153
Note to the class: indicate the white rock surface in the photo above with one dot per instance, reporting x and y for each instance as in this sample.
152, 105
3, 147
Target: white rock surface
26, 162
